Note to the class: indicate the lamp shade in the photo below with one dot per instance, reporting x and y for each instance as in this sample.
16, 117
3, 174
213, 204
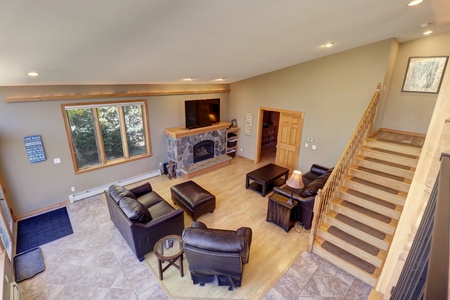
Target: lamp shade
295, 181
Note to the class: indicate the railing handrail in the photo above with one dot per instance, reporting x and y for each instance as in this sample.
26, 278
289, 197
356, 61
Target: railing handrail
331, 188
436, 286
425, 272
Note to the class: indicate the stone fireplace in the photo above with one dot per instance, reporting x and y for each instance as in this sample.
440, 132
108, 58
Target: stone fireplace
194, 146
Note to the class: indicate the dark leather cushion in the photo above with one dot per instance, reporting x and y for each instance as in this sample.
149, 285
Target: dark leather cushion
142, 189
313, 187
150, 199
134, 210
118, 192
214, 241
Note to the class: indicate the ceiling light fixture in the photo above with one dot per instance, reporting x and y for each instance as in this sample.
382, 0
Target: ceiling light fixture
425, 24
33, 74
328, 45
414, 2
219, 79
188, 79
428, 32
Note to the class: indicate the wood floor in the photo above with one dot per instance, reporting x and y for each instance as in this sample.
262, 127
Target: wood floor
272, 251
411, 139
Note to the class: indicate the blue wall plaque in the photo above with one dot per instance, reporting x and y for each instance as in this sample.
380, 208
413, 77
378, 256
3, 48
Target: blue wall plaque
35, 148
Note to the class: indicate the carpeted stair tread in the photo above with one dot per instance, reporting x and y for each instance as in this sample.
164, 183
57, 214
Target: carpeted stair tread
353, 240
387, 163
360, 226
394, 152
382, 174
375, 186
371, 198
367, 212
350, 258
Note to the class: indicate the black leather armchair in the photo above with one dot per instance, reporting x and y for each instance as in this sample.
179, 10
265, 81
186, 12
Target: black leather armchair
215, 255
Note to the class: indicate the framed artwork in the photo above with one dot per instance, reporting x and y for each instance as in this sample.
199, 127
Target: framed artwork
234, 123
424, 74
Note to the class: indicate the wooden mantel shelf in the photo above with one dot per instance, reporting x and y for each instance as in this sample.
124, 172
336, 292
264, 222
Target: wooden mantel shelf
179, 132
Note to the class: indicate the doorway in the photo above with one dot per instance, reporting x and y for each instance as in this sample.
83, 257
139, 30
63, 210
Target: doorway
279, 136
269, 135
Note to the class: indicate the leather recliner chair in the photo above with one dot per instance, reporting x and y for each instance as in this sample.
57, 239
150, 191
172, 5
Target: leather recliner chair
215, 255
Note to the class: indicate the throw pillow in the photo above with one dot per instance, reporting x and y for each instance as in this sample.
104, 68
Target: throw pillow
135, 210
118, 192
312, 188
142, 189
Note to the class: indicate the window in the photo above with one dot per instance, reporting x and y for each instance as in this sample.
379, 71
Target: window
103, 134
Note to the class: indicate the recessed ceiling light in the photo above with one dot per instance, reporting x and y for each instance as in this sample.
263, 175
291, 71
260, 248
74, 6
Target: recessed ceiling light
425, 24
188, 79
328, 45
428, 32
219, 79
33, 74
414, 2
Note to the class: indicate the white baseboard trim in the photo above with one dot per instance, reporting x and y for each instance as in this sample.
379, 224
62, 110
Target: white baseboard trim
100, 189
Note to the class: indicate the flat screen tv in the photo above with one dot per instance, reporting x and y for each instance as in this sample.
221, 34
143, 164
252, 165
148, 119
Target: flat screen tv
201, 113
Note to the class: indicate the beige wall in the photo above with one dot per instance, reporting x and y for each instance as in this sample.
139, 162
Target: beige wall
412, 111
332, 91
36, 186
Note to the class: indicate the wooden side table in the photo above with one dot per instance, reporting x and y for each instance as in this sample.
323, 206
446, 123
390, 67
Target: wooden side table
170, 249
280, 212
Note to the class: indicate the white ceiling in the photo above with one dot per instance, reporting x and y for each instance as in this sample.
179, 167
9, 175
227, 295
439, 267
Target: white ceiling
164, 41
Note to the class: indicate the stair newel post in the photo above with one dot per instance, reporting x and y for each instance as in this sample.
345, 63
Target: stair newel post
317, 217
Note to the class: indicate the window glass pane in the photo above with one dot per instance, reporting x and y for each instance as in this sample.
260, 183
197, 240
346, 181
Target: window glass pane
83, 137
135, 130
110, 126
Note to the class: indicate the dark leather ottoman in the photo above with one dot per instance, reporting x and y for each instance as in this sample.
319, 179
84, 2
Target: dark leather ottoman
194, 199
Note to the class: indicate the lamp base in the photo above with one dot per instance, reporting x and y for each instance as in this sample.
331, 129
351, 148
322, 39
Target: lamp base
290, 201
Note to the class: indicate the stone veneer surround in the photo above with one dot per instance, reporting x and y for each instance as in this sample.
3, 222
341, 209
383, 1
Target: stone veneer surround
180, 150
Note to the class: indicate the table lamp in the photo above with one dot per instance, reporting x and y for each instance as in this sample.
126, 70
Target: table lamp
294, 182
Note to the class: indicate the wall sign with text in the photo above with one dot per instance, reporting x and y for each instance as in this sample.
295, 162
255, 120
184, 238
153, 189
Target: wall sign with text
35, 148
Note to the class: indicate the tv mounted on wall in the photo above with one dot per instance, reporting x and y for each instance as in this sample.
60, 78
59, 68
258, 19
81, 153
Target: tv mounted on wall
201, 113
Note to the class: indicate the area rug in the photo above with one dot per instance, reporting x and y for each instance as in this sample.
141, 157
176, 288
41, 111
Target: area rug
28, 264
39, 230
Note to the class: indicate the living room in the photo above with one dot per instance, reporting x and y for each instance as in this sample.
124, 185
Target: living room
332, 91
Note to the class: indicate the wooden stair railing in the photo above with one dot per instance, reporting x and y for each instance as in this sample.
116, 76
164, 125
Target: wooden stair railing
425, 274
331, 189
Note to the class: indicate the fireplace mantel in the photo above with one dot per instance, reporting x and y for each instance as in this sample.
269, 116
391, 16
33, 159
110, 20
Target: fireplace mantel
179, 132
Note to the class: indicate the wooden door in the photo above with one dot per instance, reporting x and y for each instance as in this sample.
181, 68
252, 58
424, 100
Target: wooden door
289, 137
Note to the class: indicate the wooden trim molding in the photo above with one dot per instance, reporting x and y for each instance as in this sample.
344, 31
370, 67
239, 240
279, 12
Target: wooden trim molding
179, 132
110, 95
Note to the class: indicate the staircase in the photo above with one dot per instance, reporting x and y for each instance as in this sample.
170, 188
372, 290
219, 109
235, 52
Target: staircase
358, 228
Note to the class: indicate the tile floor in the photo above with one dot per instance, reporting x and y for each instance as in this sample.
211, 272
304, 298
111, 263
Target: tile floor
96, 263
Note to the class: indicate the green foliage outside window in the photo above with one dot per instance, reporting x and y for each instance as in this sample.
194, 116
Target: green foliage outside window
89, 145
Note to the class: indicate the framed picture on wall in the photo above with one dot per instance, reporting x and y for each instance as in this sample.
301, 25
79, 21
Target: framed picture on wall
424, 74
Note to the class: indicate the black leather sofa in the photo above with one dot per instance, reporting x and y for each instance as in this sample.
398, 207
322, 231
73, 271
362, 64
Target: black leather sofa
216, 255
314, 180
142, 217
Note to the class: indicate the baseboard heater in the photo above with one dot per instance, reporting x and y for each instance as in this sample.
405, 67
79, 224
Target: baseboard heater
100, 189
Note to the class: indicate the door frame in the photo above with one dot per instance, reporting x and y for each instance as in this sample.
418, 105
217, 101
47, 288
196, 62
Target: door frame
260, 124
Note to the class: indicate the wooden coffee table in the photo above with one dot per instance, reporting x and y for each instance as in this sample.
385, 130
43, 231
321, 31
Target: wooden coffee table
263, 179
